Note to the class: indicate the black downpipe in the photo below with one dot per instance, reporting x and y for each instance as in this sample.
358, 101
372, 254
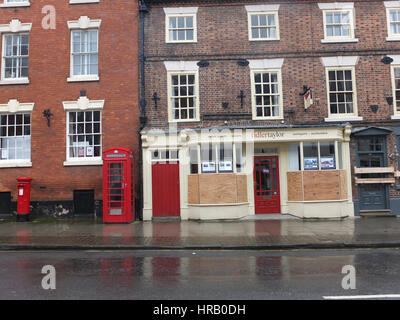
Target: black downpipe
142, 101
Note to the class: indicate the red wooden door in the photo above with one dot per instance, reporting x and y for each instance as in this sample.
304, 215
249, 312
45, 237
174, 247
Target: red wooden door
266, 185
166, 194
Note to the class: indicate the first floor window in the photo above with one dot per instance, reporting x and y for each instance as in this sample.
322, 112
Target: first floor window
183, 95
394, 22
396, 88
84, 52
15, 56
266, 94
341, 91
15, 136
84, 134
338, 24
263, 26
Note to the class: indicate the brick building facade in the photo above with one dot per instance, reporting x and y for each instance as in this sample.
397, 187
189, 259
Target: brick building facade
79, 60
243, 67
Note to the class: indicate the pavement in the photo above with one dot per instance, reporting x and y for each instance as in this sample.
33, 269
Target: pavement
261, 232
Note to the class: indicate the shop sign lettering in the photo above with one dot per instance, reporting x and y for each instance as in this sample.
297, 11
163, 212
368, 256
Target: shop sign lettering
268, 135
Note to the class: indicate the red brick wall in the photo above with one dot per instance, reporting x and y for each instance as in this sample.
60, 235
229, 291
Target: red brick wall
49, 68
222, 39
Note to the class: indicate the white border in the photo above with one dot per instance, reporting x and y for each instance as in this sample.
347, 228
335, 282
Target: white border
340, 61
261, 64
15, 26
83, 104
336, 5
14, 106
176, 66
262, 7
84, 22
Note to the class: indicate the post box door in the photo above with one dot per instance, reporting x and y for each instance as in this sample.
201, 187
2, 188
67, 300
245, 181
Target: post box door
116, 186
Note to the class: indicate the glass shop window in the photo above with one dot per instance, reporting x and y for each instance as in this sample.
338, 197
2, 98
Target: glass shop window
240, 149
310, 155
208, 158
165, 155
194, 161
225, 158
327, 155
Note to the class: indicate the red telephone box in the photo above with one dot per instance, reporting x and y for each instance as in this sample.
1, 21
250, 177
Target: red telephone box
118, 186
24, 198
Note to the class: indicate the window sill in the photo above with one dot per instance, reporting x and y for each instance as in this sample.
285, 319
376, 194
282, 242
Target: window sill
265, 39
13, 5
70, 163
83, 1
14, 81
339, 40
181, 41
268, 118
396, 117
83, 78
14, 164
392, 38
343, 119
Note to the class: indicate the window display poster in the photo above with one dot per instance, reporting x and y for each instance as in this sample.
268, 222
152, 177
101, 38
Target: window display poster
225, 166
89, 151
327, 163
208, 166
311, 163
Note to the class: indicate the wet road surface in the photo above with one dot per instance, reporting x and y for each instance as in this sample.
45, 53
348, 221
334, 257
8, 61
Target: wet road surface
170, 275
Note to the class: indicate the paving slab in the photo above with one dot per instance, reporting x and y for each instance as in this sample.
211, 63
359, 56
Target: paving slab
249, 233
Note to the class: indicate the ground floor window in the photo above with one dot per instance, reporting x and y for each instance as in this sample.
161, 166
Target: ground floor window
216, 158
84, 134
314, 155
15, 137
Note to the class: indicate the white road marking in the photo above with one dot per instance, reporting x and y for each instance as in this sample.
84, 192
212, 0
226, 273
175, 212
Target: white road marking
372, 296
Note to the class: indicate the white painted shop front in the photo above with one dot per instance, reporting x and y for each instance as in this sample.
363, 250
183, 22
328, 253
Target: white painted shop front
229, 173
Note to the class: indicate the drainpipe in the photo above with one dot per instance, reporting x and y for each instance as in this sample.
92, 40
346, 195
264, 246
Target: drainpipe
142, 101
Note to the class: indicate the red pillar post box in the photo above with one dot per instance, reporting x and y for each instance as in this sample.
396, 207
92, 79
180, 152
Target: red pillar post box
24, 198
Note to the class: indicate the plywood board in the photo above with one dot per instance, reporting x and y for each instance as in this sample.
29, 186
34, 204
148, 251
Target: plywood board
217, 188
374, 170
241, 183
375, 180
193, 189
295, 186
321, 185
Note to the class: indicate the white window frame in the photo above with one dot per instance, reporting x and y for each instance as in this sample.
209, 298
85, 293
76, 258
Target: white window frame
394, 65
84, 24
339, 7
335, 63
13, 3
3, 68
14, 107
253, 94
86, 77
180, 12
390, 6
253, 10
81, 105
196, 99
342, 116
14, 27
182, 67
266, 65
